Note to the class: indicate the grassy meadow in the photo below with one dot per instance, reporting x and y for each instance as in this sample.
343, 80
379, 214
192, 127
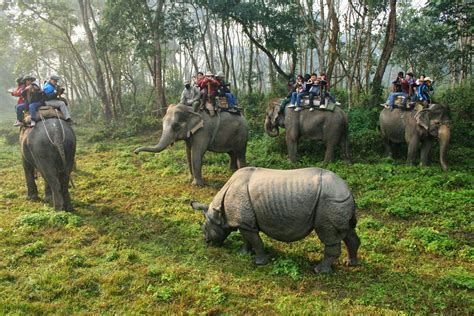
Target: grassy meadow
133, 245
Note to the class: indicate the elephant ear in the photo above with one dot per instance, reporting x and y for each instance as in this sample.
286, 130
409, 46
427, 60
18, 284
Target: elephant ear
195, 122
275, 113
423, 118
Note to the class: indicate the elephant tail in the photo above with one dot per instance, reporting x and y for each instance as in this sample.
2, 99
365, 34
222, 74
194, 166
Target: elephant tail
345, 139
58, 142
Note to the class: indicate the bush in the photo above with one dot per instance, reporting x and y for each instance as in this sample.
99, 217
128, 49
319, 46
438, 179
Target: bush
460, 101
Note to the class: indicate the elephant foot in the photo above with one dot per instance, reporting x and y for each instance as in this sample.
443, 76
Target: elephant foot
33, 197
48, 200
323, 268
261, 260
199, 183
354, 262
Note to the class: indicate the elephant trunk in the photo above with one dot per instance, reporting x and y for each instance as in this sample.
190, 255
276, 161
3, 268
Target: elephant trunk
444, 135
271, 130
167, 138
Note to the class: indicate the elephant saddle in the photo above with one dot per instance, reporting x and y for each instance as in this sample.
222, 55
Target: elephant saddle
44, 112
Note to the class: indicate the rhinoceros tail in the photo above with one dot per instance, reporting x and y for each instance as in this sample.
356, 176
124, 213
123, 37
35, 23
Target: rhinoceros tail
353, 220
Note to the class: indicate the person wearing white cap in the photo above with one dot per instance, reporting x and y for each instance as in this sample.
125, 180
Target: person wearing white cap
190, 95
52, 93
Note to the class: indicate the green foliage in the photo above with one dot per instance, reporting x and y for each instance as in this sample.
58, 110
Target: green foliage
460, 278
50, 218
432, 240
35, 249
286, 267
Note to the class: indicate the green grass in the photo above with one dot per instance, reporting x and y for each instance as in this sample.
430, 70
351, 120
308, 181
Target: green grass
133, 244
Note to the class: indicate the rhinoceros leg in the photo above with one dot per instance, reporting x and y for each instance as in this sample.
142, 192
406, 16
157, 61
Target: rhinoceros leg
352, 242
246, 248
331, 253
256, 243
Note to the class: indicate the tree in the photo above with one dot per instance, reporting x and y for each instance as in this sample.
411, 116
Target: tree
386, 53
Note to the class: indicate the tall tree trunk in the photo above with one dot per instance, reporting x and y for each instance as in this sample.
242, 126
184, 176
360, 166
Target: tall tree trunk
158, 58
101, 89
334, 38
386, 53
249, 75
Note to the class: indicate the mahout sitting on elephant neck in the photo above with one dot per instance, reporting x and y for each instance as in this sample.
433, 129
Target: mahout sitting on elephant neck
285, 205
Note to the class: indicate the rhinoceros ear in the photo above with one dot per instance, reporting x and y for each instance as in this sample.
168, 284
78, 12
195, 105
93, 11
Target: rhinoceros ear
216, 215
199, 206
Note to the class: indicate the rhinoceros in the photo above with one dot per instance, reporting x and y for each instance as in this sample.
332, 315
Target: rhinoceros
285, 205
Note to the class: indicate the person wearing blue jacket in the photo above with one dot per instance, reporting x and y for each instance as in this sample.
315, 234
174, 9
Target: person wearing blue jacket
52, 92
424, 90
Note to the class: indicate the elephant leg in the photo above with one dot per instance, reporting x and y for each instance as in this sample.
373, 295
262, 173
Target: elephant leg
65, 192
188, 157
292, 144
388, 148
232, 161
329, 155
30, 181
413, 147
345, 148
196, 161
256, 243
52, 177
48, 194
425, 152
352, 242
241, 158
331, 253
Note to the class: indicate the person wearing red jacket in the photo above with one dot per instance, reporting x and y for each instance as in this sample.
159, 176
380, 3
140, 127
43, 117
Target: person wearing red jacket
208, 86
20, 103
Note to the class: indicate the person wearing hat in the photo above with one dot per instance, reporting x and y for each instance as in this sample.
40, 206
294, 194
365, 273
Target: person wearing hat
190, 95
19, 104
424, 90
209, 87
33, 98
224, 91
52, 92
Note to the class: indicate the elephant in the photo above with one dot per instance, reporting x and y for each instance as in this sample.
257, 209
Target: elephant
285, 205
419, 129
50, 148
332, 127
222, 133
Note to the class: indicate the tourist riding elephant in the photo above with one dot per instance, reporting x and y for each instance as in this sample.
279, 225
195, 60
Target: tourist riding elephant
329, 126
50, 148
222, 133
418, 129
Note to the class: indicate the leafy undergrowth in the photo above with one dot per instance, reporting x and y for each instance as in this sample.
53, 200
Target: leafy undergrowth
134, 245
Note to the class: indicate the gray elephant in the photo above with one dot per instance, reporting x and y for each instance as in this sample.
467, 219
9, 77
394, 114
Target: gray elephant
419, 129
222, 133
286, 205
329, 126
50, 148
